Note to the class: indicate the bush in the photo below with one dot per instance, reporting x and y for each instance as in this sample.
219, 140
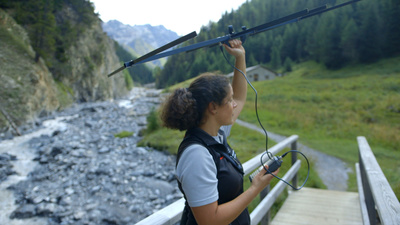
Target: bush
153, 121
123, 134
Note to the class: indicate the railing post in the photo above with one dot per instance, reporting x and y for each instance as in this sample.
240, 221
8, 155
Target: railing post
260, 215
294, 159
369, 199
381, 202
266, 220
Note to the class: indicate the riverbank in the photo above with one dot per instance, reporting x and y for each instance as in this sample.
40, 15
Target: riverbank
71, 169
75, 171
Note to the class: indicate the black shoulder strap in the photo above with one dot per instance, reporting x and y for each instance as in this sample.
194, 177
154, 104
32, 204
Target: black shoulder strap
218, 150
190, 140
187, 141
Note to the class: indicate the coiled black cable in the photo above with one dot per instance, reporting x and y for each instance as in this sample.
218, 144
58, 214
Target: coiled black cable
269, 154
255, 101
308, 169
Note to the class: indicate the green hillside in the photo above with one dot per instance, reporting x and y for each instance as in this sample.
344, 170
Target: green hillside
364, 32
327, 109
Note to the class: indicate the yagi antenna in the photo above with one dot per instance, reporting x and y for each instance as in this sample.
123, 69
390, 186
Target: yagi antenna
160, 52
156, 51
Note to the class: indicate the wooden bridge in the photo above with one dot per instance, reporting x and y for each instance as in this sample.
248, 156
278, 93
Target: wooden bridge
374, 203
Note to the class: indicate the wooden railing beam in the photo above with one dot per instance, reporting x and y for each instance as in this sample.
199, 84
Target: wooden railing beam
270, 199
375, 192
294, 159
254, 163
167, 216
376, 185
172, 213
363, 206
266, 220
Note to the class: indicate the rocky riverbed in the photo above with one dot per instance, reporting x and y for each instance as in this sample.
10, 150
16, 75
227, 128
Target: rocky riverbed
70, 168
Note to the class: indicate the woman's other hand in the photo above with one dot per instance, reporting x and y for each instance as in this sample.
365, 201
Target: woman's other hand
261, 180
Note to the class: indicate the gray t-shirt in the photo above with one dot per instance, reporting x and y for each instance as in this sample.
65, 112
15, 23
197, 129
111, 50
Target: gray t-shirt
197, 173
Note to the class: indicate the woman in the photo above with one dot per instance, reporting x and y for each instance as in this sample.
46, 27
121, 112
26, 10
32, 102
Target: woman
209, 174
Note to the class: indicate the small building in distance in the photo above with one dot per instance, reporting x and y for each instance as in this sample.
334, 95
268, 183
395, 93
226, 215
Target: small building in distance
258, 73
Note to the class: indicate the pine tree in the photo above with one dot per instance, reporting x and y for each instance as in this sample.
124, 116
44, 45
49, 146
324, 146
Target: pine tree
391, 29
288, 64
370, 45
349, 41
276, 60
361, 32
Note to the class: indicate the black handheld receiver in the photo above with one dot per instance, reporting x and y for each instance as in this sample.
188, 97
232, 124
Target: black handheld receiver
273, 164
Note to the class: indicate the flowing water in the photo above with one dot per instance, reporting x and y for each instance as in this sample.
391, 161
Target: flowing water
83, 134
18, 146
333, 171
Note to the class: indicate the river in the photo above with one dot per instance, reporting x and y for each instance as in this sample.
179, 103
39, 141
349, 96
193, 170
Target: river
72, 169
24, 164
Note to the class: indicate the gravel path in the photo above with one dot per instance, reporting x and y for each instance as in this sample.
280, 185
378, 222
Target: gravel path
332, 171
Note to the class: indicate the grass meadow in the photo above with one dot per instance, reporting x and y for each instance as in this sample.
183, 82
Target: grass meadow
327, 109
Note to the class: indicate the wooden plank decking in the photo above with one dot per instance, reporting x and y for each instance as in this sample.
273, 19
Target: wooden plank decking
316, 206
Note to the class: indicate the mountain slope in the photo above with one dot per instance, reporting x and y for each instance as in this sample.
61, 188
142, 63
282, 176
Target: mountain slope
36, 80
139, 39
363, 32
26, 86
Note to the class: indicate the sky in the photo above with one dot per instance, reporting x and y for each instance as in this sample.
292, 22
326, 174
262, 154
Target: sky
180, 16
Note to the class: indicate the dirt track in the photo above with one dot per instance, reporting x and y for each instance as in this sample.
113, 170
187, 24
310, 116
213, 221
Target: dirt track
332, 171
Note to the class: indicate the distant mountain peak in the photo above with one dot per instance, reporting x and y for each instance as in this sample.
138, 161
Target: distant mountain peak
141, 38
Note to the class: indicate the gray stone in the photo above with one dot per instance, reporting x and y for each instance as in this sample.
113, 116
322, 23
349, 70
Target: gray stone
24, 211
87, 176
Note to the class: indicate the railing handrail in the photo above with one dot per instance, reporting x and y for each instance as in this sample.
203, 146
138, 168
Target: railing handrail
265, 205
254, 162
172, 213
169, 215
378, 194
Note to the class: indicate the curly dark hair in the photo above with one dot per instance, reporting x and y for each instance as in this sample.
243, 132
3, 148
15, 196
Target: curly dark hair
185, 107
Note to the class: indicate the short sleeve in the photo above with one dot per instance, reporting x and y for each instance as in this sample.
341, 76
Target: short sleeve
197, 173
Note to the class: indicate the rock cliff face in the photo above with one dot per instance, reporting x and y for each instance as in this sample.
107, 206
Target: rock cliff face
27, 87
91, 59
